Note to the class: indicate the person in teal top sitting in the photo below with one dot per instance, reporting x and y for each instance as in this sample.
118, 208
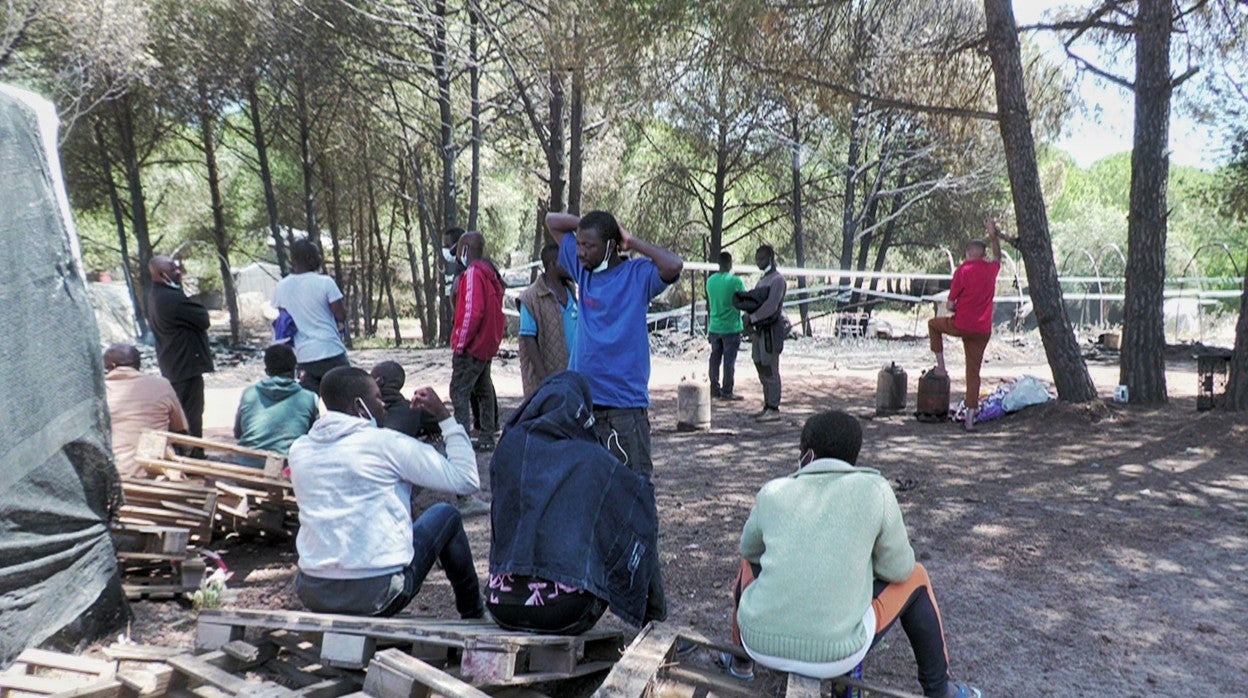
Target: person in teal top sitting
723, 327
277, 410
827, 568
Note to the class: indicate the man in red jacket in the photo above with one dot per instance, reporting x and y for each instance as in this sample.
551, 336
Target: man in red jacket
970, 299
477, 332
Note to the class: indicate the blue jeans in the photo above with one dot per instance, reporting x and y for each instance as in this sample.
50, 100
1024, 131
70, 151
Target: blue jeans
724, 349
438, 534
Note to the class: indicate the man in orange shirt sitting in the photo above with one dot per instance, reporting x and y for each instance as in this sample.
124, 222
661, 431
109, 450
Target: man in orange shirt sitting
137, 402
970, 299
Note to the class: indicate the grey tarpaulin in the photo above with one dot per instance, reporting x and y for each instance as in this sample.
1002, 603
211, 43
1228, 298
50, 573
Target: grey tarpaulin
58, 570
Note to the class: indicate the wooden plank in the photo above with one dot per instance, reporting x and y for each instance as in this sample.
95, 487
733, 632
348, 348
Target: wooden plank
640, 663
249, 655
210, 470
140, 653
172, 439
393, 674
108, 688
802, 687
199, 670
349, 651
329, 688
37, 684
557, 659
154, 682
68, 662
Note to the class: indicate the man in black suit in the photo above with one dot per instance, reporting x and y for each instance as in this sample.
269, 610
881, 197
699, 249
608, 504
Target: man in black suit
180, 326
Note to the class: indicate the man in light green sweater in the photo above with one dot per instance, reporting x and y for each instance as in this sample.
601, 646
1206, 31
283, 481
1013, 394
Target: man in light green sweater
828, 542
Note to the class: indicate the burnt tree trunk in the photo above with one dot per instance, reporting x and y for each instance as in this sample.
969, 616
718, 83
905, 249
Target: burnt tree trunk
1061, 348
119, 217
123, 118
446, 130
207, 128
383, 250
556, 161
266, 176
1142, 361
849, 221
405, 209
305, 158
576, 132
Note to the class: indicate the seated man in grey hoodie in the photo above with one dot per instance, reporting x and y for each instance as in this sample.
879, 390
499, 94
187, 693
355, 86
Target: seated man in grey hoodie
360, 552
277, 410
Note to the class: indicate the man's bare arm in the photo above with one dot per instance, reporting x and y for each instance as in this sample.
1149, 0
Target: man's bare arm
559, 224
990, 226
669, 263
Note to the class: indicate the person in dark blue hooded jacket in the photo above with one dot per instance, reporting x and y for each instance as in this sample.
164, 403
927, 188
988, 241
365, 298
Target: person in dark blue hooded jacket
574, 531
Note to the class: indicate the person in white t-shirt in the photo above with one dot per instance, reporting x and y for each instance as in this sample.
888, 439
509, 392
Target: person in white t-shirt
314, 302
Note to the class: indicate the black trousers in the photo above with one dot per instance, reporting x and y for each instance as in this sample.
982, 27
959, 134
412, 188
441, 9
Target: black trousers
190, 393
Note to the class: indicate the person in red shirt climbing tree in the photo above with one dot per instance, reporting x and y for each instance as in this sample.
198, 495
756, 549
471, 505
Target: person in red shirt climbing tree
970, 300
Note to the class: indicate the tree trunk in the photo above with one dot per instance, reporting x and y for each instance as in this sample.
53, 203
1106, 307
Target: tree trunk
446, 131
1237, 383
405, 208
576, 129
123, 117
1142, 362
119, 217
1070, 373
799, 232
331, 209
266, 177
719, 191
474, 87
849, 221
555, 159
207, 126
305, 158
383, 251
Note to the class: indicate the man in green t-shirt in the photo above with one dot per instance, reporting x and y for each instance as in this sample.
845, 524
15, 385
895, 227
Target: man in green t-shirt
723, 326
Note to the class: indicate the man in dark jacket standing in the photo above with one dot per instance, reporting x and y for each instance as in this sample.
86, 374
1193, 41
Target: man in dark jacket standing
180, 326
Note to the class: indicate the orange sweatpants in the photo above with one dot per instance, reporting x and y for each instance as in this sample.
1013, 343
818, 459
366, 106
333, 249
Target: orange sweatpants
973, 344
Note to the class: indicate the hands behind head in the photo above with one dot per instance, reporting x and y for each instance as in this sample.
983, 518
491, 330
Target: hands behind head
626, 240
990, 226
426, 399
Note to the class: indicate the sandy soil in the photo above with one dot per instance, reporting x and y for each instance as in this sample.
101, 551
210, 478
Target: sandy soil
1075, 550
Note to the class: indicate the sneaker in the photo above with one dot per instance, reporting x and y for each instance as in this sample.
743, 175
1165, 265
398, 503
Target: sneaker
470, 506
769, 414
962, 690
730, 397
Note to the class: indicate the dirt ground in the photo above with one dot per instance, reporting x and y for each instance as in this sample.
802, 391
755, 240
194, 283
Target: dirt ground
1075, 550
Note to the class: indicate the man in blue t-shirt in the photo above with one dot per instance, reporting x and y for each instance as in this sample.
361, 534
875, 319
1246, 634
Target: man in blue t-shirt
612, 342
613, 346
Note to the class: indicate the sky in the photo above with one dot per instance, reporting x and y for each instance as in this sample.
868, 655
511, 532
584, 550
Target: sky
1102, 126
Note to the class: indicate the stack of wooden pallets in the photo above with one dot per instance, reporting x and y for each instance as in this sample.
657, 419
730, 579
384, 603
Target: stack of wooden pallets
248, 501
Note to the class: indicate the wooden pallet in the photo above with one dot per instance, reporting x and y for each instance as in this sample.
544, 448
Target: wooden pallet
476, 651
154, 576
173, 504
249, 501
43, 673
394, 674
650, 668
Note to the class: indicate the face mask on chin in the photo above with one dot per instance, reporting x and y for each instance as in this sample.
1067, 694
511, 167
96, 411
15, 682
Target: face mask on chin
606, 258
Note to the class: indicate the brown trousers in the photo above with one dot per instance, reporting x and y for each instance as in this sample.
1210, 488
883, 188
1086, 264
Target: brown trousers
974, 344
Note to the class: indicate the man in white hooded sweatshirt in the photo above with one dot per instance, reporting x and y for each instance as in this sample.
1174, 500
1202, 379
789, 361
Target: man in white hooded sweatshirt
360, 553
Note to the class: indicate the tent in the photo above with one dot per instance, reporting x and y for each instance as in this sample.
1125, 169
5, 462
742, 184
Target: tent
58, 571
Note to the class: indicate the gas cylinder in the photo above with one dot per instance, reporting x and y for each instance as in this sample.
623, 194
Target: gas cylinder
693, 405
932, 400
890, 390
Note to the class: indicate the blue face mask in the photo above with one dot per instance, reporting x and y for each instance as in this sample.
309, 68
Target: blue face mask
371, 419
602, 266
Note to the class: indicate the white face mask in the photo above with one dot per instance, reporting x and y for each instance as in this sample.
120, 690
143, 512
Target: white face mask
371, 419
448, 255
602, 266
463, 260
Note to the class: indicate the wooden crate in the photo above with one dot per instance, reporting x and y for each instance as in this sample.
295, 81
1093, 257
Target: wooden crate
476, 651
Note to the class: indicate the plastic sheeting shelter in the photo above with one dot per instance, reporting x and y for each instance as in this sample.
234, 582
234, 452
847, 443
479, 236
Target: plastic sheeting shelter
58, 570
